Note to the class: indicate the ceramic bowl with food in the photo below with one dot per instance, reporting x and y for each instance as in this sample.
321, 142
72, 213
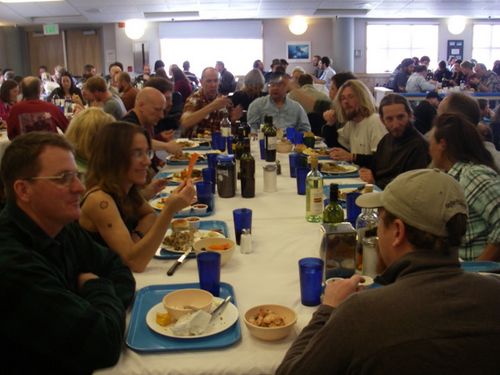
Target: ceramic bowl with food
270, 322
224, 246
183, 301
199, 208
284, 147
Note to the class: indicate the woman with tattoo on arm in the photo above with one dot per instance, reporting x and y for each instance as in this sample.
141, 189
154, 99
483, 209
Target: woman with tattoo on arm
113, 211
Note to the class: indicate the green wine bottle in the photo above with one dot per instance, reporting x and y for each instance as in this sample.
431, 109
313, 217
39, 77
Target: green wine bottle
314, 193
333, 212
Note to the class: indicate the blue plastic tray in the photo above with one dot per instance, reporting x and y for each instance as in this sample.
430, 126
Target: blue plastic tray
480, 266
210, 211
141, 339
217, 225
343, 175
185, 162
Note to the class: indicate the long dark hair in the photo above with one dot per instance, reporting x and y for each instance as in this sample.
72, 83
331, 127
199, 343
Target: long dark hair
463, 142
110, 161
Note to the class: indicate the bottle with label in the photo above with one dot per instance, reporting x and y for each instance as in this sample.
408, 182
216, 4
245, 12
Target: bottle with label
314, 193
238, 150
247, 171
366, 221
333, 212
226, 176
225, 127
270, 139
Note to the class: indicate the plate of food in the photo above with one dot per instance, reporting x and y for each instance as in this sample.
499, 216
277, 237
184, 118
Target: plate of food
184, 158
333, 167
179, 241
180, 176
320, 152
187, 144
158, 321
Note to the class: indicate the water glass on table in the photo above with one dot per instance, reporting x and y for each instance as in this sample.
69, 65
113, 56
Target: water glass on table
209, 271
209, 176
290, 134
301, 180
311, 278
205, 194
353, 210
212, 159
293, 158
242, 220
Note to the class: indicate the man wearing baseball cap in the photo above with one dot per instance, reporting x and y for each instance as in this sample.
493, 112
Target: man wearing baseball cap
429, 317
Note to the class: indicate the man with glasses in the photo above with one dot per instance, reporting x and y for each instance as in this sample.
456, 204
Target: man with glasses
67, 296
285, 111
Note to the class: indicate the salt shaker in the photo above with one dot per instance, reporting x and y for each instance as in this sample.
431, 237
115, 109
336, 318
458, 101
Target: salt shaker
270, 178
246, 242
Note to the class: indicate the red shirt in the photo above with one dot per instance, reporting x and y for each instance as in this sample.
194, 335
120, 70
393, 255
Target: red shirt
35, 115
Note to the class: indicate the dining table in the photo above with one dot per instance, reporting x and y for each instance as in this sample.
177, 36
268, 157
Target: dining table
280, 236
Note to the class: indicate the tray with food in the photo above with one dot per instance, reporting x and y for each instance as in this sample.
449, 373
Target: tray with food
146, 333
339, 169
187, 144
174, 244
184, 159
320, 153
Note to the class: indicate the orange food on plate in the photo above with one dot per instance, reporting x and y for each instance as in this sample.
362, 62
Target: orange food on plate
222, 246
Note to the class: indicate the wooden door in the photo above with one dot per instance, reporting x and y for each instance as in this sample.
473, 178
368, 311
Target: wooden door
83, 47
45, 50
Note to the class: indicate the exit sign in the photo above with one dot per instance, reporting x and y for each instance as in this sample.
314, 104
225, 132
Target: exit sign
51, 29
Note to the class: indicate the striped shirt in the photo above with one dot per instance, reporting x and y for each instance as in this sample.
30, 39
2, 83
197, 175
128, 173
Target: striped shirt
481, 186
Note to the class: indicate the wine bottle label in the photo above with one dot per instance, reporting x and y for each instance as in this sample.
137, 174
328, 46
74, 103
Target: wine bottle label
316, 201
226, 132
271, 143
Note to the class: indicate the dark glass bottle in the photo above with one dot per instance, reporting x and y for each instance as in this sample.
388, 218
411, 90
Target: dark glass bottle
270, 139
333, 212
238, 149
247, 171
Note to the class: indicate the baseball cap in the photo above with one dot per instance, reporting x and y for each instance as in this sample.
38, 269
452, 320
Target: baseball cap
423, 198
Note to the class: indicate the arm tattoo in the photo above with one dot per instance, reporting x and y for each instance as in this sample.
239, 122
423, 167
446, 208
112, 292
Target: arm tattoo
103, 205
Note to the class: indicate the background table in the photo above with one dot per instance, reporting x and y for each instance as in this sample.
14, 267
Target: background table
281, 236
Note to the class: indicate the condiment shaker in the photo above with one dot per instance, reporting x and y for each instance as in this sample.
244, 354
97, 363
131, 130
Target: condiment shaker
246, 242
270, 178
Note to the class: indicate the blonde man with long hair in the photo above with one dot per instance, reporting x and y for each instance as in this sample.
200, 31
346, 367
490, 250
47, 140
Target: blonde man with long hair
363, 129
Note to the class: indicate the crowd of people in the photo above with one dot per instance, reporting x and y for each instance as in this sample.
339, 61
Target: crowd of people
76, 222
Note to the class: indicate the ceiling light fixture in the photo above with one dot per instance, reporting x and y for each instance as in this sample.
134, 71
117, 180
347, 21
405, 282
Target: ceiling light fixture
135, 28
298, 25
456, 24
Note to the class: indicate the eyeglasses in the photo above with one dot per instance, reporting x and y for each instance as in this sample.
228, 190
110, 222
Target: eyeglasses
139, 154
65, 178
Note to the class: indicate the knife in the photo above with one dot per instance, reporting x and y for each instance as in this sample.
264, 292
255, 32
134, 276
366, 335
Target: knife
219, 309
179, 261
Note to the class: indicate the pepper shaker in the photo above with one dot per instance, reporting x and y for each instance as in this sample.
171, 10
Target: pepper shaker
246, 242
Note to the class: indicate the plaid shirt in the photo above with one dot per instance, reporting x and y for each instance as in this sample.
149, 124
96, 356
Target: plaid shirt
210, 123
481, 186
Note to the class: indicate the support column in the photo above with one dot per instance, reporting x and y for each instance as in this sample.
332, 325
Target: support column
343, 44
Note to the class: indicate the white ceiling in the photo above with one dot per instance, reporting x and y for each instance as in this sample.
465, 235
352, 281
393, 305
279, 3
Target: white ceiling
106, 11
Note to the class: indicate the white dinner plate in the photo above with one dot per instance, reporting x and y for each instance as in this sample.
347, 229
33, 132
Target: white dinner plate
221, 323
187, 143
198, 235
343, 168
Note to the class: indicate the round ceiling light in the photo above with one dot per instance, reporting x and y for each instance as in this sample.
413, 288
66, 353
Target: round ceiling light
456, 24
298, 25
135, 28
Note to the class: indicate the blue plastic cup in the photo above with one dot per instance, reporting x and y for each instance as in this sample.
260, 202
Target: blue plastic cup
290, 134
209, 176
262, 149
209, 271
293, 157
229, 142
242, 220
212, 160
298, 138
311, 278
301, 180
217, 141
204, 193
353, 210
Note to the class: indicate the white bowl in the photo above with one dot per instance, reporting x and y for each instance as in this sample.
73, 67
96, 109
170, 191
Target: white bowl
271, 333
199, 208
214, 245
183, 301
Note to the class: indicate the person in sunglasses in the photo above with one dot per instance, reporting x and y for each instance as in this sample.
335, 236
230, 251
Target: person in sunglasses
113, 210
67, 295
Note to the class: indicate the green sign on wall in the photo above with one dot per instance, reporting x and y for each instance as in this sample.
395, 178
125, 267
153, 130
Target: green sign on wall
51, 29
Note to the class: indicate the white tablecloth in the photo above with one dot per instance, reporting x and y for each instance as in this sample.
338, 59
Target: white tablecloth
281, 236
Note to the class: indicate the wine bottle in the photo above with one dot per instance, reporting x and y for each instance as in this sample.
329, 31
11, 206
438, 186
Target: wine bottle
225, 128
314, 193
247, 171
333, 212
270, 139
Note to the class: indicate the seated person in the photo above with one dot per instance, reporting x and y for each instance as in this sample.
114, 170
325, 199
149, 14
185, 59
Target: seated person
113, 211
285, 111
252, 89
430, 317
425, 112
65, 297
67, 89
402, 149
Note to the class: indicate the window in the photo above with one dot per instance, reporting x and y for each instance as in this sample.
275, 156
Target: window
387, 45
486, 44
237, 43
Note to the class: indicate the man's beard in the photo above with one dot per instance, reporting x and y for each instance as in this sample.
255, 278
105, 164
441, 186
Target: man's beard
352, 113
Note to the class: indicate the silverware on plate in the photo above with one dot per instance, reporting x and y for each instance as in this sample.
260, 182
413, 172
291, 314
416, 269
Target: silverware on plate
179, 261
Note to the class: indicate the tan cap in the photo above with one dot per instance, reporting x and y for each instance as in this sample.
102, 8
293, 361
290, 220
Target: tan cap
424, 198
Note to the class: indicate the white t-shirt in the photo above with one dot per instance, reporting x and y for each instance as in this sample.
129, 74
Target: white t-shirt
364, 136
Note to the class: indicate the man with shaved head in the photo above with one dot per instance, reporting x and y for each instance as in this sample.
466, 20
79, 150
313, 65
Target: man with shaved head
202, 110
149, 108
33, 114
